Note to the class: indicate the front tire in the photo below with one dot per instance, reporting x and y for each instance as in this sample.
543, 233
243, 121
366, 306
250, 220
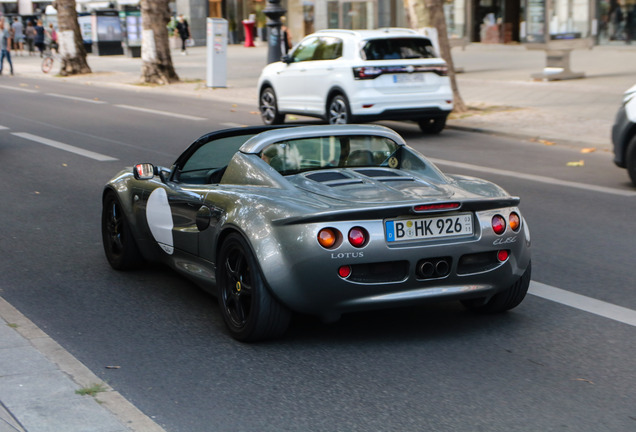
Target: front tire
505, 300
119, 244
631, 159
47, 64
250, 312
269, 108
338, 111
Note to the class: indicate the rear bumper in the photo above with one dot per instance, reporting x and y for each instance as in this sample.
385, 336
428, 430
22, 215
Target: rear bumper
405, 114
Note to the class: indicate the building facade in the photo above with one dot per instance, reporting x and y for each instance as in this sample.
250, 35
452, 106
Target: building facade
485, 21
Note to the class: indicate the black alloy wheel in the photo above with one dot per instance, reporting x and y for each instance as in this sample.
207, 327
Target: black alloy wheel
119, 245
269, 108
250, 312
338, 111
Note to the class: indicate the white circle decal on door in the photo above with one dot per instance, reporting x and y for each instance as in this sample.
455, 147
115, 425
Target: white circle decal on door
159, 219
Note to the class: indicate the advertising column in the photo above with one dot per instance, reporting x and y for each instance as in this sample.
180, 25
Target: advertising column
558, 27
216, 31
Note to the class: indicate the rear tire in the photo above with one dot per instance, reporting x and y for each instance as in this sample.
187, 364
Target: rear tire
119, 244
504, 300
269, 108
432, 125
630, 161
249, 310
338, 111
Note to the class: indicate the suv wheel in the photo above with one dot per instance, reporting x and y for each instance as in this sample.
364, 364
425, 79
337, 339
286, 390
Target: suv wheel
338, 111
269, 108
432, 125
630, 161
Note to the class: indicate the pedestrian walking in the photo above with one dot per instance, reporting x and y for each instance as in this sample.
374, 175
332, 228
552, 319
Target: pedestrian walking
184, 33
52, 35
29, 37
285, 40
39, 37
5, 33
18, 35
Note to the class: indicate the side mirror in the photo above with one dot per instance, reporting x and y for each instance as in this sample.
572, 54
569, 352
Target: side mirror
144, 171
286, 59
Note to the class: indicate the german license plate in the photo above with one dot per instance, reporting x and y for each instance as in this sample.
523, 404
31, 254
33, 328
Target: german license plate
409, 78
429, 228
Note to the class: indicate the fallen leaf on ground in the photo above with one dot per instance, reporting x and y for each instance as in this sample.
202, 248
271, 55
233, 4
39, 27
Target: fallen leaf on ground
584, 380
588, 150
576, 163
546, 142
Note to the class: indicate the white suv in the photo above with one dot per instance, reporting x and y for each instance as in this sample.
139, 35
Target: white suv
346, 76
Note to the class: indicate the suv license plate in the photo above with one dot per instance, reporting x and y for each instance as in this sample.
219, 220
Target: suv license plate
429, 228
409, 78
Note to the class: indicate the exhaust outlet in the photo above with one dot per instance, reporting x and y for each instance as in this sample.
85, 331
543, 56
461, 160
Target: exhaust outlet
432, 268
427, 269
442, 268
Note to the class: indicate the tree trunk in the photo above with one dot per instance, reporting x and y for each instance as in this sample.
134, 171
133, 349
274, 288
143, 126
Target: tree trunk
157, 65
71, 44
430, 13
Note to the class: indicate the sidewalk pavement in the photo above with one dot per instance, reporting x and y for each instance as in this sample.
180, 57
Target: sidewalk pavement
39, 380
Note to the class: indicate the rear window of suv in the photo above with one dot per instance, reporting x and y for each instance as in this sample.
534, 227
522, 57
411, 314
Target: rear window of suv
398, 48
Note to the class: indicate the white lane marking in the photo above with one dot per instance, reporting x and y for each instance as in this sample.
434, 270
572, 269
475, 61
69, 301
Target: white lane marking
163, 113
3, 128
18, 89
536, 178
80, 99
587, 304
65, 147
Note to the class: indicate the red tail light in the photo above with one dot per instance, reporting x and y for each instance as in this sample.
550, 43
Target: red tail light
344, 271
498, 224
371, 72
433, 207
358, 237
503, 255
368, 72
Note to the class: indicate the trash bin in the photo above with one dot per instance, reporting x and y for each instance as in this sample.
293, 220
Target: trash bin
248, 25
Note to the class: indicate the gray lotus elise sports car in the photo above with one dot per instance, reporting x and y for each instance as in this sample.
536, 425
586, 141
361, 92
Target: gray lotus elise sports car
319, 220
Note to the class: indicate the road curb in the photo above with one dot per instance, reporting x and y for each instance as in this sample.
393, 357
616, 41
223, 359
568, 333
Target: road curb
125, 412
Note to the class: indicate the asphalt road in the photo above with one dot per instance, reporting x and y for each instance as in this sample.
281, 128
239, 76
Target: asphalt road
545, 366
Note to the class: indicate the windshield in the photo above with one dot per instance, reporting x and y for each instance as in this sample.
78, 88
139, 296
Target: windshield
307, 154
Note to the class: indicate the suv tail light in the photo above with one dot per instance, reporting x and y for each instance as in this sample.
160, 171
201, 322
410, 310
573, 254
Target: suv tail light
371, 72
362, 73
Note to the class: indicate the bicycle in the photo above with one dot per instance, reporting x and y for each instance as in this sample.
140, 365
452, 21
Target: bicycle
48, 60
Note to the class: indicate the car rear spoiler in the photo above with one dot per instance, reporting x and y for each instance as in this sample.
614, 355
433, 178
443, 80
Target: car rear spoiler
396, 211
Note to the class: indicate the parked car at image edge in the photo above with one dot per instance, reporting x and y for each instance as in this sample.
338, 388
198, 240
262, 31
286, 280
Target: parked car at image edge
319, 220
353, 76
624, 134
